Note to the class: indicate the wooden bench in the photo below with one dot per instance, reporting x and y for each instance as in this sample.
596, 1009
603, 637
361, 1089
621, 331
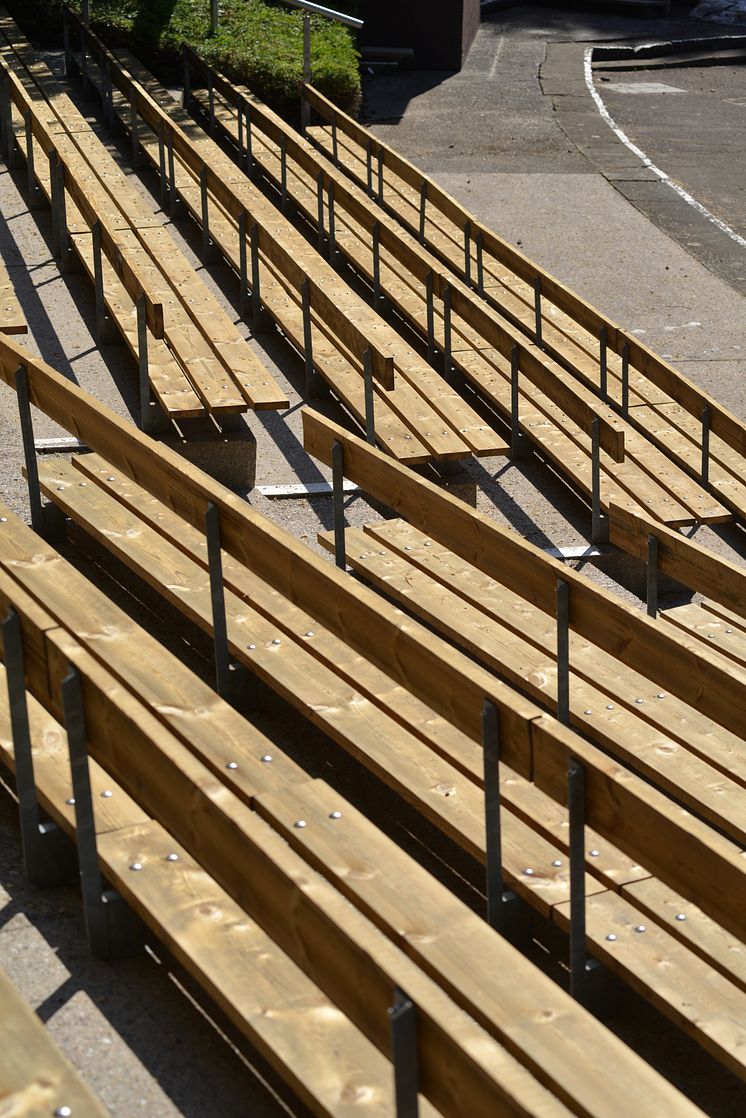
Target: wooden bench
556, 412
35, 1078
417, 415
664, 406
464, 1017
534, 833
216, 370
12, 318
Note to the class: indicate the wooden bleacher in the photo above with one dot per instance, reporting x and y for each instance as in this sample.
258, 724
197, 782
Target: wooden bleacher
198, 361
35, 1078
12, 318
418, 416
663, 405
556, 410
535, 831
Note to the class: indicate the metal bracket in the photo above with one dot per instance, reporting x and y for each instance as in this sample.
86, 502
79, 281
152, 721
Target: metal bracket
652, 576
105, 329
338, 502
370, 397
146, 407
112, 928
576, 809
520, 445
316, 386
29, 449
599, 520
562, 598
403, 1022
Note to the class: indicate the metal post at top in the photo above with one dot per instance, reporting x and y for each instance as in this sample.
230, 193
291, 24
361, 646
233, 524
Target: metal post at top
447, 334
493, 833
143, 365
467, 252
625, 380
376, 246
562, 600
519, 444
6, 118
369, 166
217, 601
55, 200
423, 210
599, 522
429, 285
338, 473
403, 1022
258, 319
214, 17
576, 810
28, 807
480, 262
706, 419
243, 263
335, 147
63, 233
29, 449
85, 12
603, 363
187, 94
250, 165
370, 397
305, 108
537, 312
66, 42
651, 597
330, 211
320, 232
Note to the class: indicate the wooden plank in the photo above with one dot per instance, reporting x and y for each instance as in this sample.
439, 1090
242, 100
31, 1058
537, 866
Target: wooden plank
679, 666
337, 947
35, 1078
718, 633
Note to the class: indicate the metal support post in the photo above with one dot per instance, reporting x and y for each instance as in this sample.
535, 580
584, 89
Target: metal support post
112, 929
210, 251
706, 417
243, 263
162, 161
447, 335
104, 325
379, 158
562, 600
259, 319
519, 444
29, 449
467, 253
250, 165
603, 364
576, 810
134, 138
403, 1021
376, 238
84, 61
49, 857
369, 166
599, 521
66, 43
338, 474
63, 234
173, 198
320, 210
625, 380
305, 108
55, 201
315, 385
480, 262
6, 117
493, 833
423, 211
187, 94
217, 600
214, 17
35, 196
335, 151
370, 397
537, 312
146, 422
652, 576
332, 234
283, 173
429, 284
107, 96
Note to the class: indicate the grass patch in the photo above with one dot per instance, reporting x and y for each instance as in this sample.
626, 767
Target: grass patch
259, 43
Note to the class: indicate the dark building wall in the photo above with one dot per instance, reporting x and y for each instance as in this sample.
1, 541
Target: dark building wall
439, 31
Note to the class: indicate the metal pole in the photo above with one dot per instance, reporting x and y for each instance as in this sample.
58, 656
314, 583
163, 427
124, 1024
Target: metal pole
207, 246
172, 199
214, 16
134, 138
84, 56
28, 807
706, 417
376, 234
320, 210
519, 445
492, 822
332, 235
562, 599
380, 174
429, 284
66, 42
403, 1021
652, 576
256, 296
576, 810
217, 600
34, 193
537, 311
480, 262
599, 523
305, 108
369, 394
369, 166
6, 117
107, 95
603, 378
103, 325
283, 173
243, 263
625, 380
307, 338
467, 252
55, 200
447, 341
162, 159
29, 449
211, 102
62, 229
335, 152
423, 210
338, 499
250, 165
143, 364
187, 95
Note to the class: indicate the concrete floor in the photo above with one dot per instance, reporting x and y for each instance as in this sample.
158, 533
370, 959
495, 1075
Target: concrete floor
502, 143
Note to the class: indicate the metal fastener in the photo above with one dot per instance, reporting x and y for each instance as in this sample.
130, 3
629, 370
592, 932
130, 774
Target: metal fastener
300, 823
276, 641
611, 937
62, 1112
3, 520
111, 478
729, 630
661, 695
640, 928
252, 647
172, 857
335, 814
639, 700
81, 484
309, 633
681, 916
107, 794
136, 866
609, 706
267, 758
231, 765
529, 872
593, 853
71, 801
587, 712
557, 862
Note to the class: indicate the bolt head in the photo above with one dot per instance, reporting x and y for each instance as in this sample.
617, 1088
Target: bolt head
70, 801
729, 630
661, 695
611, 937
681, 916
640, 701
593, 853
252, 647
335, 814
3, 520
267, 758
528, 872
587, 712
172, 857
62, 1112
276, 641
136, 866
300, 824
640, 928
111, 478
231, 765
309, 633
107, 794
557, 863
609, 706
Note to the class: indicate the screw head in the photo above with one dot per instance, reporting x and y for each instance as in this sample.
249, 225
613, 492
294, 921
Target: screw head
611, 937
107, 794
640, 928
252, 647
609, 706
309, 633
639, 700
267, 758
70, 801
528, 872
661, 695
276, 641
231, 765
300, 824
557, 863
3, 520
593, 853
729, 630
172, 857
681, 916
136, 866
62, 1112
587, 712
111, 478
335, 814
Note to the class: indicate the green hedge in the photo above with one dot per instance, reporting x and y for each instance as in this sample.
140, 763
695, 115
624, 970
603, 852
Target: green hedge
257, 42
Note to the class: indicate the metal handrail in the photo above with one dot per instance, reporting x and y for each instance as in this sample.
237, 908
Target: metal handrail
320, 10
